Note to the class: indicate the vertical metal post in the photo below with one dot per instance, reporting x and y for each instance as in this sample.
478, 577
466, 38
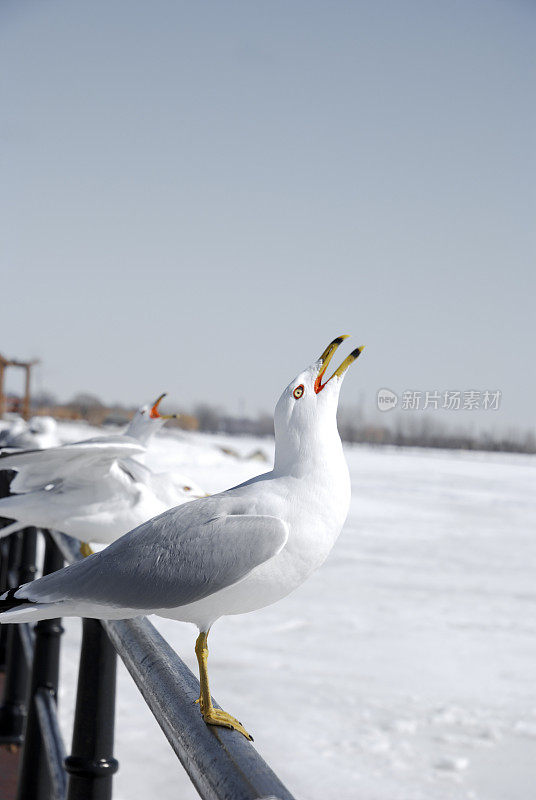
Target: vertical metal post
13, 709
4, 552
5, 480
27, 567
11, 556
26, 401
33, 775
91, 765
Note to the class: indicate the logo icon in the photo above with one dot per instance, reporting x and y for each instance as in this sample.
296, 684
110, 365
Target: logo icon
386, 400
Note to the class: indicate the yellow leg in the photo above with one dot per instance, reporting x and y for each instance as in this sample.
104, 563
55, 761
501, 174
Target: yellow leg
211, 715
85, 549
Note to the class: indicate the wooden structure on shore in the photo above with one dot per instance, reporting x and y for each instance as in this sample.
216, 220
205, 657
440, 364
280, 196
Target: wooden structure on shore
27, 366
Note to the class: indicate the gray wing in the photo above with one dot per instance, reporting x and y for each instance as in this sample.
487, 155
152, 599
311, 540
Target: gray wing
92, 459
177, 558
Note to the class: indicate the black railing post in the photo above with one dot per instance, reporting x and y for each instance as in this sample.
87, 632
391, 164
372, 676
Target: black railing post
4, 555
13, 545
91, 765
13, 709
5, 480
33, 774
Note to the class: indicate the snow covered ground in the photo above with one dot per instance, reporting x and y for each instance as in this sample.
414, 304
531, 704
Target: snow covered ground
403, 670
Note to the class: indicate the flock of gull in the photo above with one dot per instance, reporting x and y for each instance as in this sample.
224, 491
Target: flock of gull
173, 550
95, 490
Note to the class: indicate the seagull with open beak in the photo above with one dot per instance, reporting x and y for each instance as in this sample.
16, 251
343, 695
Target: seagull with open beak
226, 554
147, 421
95, 490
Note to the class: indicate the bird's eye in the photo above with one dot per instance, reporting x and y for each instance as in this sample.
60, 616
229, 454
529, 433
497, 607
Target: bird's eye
298, 391
187, 488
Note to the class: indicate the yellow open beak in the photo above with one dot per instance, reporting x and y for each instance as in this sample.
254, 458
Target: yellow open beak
155, 414
326, 357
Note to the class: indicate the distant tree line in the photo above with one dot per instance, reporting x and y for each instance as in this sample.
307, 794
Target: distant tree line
418, 432
424, 433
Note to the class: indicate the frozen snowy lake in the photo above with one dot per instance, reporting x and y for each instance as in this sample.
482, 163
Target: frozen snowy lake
403, 670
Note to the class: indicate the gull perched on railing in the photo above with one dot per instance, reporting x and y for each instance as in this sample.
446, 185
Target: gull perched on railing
231, 553
95, 490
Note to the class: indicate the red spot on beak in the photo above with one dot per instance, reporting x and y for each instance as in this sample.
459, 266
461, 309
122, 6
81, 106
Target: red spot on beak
318, 383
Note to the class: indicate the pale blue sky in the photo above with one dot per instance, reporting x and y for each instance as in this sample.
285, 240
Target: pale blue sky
197, 197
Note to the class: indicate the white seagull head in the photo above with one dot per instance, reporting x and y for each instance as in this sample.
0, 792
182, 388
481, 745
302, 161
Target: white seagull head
147, 420
306, 412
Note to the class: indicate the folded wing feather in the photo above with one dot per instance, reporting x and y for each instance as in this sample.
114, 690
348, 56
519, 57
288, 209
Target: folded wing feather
177, 558
37, 468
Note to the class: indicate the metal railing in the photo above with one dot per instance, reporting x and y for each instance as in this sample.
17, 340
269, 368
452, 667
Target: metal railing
221, 763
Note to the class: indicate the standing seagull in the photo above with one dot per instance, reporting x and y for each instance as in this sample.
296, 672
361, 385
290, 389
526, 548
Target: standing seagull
227, 554
94, 490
